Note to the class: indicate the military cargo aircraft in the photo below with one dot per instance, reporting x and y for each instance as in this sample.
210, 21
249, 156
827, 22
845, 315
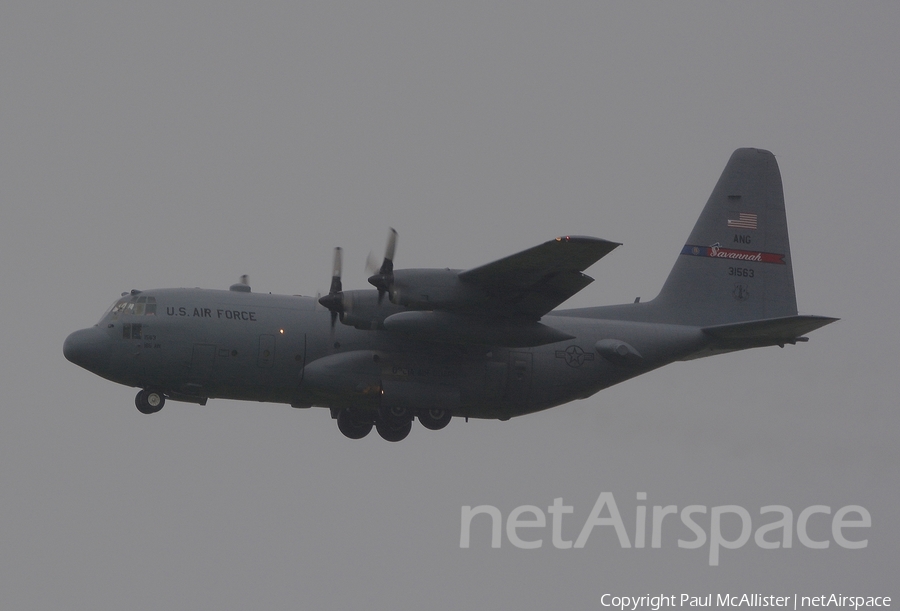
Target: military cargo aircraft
431, 344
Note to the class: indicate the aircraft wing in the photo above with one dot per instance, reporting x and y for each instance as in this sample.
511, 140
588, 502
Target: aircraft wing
531, 283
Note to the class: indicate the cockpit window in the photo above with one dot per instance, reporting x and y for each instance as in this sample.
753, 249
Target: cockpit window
114, 310
132, 306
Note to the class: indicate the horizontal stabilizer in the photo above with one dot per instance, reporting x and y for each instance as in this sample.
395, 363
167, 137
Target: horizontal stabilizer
768, 332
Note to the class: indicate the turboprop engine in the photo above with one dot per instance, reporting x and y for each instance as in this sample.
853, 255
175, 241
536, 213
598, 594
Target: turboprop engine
364, 310
433, 289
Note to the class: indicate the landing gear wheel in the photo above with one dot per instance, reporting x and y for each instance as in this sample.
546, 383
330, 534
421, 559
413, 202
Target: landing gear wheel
435, 418
392, 430
396, 415
149, 401
353, 424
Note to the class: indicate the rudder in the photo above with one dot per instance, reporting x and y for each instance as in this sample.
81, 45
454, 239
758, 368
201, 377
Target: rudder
736, 264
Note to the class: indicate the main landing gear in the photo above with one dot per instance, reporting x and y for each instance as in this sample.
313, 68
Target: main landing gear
149, 401
435, 419
393, 424
354, 424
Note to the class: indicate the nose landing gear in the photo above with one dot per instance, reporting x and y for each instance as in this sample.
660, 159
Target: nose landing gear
149, 401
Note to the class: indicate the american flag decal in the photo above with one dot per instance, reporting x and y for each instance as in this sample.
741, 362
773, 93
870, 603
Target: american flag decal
745, 220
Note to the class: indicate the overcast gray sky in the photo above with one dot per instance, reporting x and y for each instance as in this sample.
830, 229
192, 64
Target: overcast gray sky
148, 145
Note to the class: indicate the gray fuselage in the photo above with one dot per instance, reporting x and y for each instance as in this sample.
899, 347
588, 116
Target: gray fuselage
197, 344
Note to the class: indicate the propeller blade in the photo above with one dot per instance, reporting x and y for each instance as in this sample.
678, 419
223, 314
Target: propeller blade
384, 277
372, 265
336, 271
334, 300
387, 267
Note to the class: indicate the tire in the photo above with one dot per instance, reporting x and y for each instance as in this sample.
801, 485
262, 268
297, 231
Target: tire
353, 424
393, 431
395, 415
149, 401
434, 419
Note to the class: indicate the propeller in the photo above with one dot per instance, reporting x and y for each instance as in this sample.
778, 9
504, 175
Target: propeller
334, 300
383, 277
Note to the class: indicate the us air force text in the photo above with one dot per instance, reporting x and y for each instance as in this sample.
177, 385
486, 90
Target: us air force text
210, 313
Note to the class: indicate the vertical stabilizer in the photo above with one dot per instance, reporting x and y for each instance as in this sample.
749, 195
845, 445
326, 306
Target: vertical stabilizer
736, 264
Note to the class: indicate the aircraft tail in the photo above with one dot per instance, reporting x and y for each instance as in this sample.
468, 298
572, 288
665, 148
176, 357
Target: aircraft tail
736, 264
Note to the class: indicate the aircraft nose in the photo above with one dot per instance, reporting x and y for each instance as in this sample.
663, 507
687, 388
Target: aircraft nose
86, 348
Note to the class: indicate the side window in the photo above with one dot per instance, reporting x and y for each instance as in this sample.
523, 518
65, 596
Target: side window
151, 306
131, 331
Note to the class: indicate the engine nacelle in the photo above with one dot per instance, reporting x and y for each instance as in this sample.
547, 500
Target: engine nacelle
433, 289
362, 310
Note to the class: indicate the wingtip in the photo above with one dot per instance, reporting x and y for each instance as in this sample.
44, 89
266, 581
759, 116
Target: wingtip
584, 239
